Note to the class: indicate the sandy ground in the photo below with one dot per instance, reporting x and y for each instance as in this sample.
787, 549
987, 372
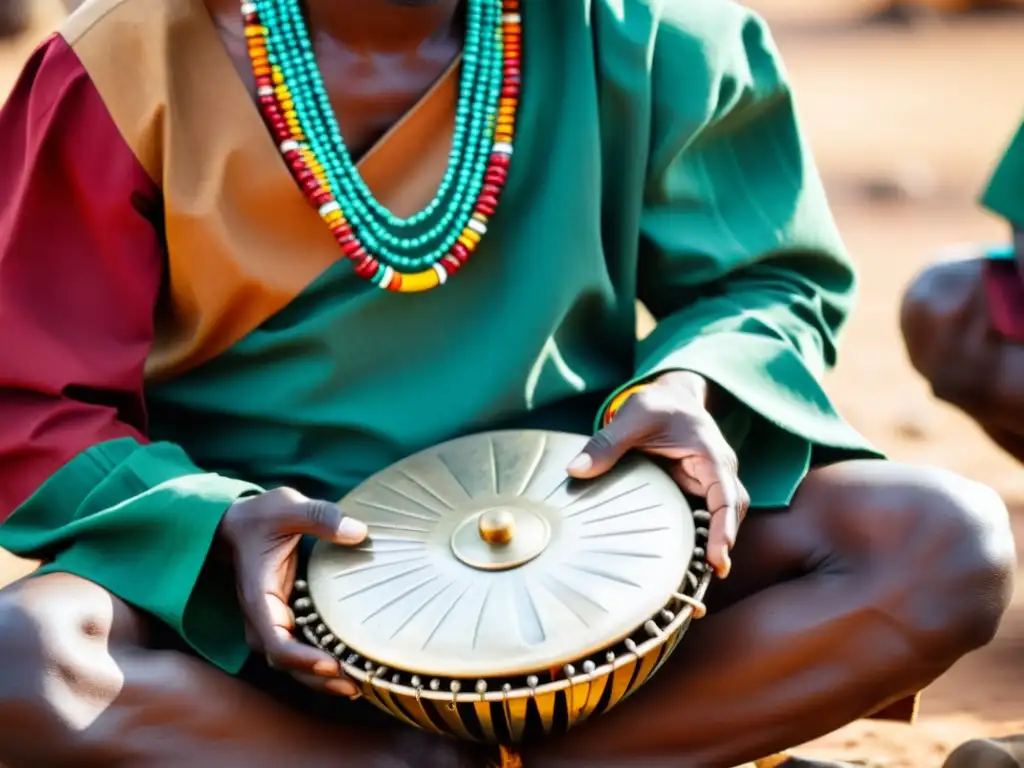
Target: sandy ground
929, 108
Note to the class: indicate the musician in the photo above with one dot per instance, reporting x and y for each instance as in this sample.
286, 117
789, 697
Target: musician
963, 324
236, 279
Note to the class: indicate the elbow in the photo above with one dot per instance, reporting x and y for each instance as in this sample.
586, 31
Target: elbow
42, 434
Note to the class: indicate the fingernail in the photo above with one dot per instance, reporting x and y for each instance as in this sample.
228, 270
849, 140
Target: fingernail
351, 530
581, 463
327, 669
726, 566
341, 687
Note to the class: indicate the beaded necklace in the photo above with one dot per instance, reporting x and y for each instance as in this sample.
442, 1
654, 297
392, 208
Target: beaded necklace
397, 254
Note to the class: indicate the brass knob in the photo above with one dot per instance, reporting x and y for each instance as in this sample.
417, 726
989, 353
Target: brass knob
497, 526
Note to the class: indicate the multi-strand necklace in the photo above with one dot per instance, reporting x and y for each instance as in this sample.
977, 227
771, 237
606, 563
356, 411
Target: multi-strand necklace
397, 254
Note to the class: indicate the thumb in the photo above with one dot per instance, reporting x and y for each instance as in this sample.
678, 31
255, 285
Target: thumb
602, 452
324, 520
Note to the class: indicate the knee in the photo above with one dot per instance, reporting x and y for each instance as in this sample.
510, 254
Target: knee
933, 304
957, 559
56, 670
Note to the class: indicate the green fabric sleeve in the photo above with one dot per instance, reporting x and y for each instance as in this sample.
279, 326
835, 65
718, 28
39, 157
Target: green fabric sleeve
1004, 195
741, 263
139, 521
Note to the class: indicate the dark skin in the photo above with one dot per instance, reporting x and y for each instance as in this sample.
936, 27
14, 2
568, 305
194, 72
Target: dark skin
377, 57
913, 564
988, 753
950, 341
14, 18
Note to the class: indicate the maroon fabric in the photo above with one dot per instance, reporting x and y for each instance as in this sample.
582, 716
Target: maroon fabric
1004, 286
80, 267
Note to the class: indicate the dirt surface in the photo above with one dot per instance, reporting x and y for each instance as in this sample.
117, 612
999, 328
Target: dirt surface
906, 124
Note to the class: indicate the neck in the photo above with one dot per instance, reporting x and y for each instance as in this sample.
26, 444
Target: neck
382, 25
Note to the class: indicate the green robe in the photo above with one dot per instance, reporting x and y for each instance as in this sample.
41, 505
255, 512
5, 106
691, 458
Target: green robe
658, 157
1004, 195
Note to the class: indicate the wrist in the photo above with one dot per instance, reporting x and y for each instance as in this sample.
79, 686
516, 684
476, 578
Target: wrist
687, 384
223, 548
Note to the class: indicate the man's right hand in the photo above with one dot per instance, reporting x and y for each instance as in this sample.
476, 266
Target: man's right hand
263, 534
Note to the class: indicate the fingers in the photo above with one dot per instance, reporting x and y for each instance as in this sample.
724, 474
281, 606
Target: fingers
322, 519
264, 533
271, 623
727, 502
340, 686
603, 450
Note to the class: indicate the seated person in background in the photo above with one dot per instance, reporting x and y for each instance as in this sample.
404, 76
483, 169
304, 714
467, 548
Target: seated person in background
909, 10
963, 319
963, 324
15, 16
196, 360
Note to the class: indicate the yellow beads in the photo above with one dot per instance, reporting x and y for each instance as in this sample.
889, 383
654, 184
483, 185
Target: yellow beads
417, 282
283, 113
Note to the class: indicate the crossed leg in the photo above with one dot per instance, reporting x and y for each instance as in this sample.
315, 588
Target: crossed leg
873, 583
870, 586
81, 685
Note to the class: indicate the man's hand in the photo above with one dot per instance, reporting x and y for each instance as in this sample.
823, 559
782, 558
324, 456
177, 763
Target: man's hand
263, 534
668, 418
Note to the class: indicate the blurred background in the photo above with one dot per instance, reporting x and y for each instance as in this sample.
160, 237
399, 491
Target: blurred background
908, 111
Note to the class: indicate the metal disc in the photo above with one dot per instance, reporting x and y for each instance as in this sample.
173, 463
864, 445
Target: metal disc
485, 559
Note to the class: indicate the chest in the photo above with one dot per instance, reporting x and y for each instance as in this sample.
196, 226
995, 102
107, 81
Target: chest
369, 92
244, 243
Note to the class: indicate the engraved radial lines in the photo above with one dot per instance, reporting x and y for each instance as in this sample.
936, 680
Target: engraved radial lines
584, 563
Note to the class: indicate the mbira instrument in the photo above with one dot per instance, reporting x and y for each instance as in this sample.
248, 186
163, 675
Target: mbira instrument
498, 600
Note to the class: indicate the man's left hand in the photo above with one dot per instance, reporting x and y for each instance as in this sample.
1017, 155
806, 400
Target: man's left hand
669, 418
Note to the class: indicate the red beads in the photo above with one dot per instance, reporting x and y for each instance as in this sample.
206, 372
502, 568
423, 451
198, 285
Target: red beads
275, 102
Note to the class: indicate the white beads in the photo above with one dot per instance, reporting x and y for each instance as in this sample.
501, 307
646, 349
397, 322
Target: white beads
477, 226
442, 273
248, 9
289, 146
328, 208
503, 148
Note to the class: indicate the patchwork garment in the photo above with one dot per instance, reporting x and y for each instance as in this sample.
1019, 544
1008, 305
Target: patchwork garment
178, 326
